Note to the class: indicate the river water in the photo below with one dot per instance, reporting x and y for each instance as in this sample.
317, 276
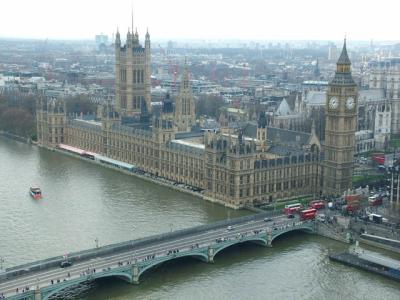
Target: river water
83, 202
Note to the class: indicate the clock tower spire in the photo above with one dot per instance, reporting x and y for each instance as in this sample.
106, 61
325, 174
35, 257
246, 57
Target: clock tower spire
341, 123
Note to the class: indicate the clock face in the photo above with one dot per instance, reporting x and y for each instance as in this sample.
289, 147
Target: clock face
350, 103
333, 103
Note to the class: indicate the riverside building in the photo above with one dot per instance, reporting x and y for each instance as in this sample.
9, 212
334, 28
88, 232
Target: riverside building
250, 165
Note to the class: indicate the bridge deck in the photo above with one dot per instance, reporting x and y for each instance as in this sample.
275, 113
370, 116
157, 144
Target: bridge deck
135, 258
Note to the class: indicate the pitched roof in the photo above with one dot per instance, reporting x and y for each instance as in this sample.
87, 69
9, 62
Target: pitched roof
283, 109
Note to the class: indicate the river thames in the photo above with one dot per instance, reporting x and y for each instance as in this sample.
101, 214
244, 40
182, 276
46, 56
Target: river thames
83, 202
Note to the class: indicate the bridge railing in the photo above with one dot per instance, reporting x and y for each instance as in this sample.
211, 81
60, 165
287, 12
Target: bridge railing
124, 246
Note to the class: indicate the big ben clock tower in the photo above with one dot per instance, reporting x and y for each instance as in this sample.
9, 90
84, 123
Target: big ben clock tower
341, 123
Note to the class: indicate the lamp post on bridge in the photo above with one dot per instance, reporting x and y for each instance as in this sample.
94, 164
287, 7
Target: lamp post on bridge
97, 242
1, 263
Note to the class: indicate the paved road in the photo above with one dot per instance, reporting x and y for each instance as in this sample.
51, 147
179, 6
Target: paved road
157, 249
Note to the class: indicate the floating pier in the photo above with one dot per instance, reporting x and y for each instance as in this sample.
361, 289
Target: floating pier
369, 261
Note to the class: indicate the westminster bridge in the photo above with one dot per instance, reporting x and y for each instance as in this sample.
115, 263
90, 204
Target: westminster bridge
130, 260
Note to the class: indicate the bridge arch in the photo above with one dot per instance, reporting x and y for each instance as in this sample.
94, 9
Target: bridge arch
292, 229
254, 240
52, 290
199, 256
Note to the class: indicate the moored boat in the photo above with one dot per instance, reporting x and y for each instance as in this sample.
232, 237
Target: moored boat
35, 192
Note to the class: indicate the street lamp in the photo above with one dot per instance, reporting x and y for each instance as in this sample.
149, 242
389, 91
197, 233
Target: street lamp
97, 242
1, 263
170, 227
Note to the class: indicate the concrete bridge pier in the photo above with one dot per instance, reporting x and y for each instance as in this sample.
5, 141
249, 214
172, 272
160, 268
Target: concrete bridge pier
210, 254
135, 274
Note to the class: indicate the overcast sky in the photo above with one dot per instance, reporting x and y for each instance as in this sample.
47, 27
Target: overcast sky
204, 19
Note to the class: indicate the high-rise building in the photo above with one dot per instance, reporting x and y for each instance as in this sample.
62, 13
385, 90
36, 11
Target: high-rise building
332, 52
341, 118
132, 75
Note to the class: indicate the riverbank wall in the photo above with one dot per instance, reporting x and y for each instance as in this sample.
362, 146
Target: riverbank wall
331, 232
150, 178
380, 242
15, 137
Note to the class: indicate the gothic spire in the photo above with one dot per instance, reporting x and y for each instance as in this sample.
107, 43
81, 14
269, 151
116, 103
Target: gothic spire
185, 76
344, 57
132, 18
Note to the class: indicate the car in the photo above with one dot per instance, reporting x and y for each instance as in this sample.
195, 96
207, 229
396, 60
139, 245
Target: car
65, 264
290, 216
267, 220
229, 228
321, 217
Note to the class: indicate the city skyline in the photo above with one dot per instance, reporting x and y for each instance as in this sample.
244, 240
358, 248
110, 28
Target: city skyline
222, 20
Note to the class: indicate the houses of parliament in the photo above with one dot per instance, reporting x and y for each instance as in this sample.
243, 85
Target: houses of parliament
252, 165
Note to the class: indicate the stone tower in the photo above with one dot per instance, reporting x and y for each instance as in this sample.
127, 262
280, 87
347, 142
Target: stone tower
185, 116
341, 120
262, 131
132, 74
51, 120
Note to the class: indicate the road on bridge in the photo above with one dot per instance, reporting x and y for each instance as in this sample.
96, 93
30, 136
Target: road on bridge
53, 275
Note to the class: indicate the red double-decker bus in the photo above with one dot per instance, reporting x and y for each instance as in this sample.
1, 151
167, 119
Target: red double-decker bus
291, 209
308, 214
317, 204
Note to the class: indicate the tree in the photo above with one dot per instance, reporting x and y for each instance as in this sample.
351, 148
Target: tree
209, 105
17, 112
17, 121
80, 104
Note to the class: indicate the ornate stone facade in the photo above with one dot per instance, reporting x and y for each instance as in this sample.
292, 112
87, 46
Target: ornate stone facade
341, 123
252, 165
185, 117
132, 75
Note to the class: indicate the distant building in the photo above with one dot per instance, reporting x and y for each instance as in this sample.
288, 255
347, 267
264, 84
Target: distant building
332, 52
364, 141
314, 85
101, 42
382, 130
385, 76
